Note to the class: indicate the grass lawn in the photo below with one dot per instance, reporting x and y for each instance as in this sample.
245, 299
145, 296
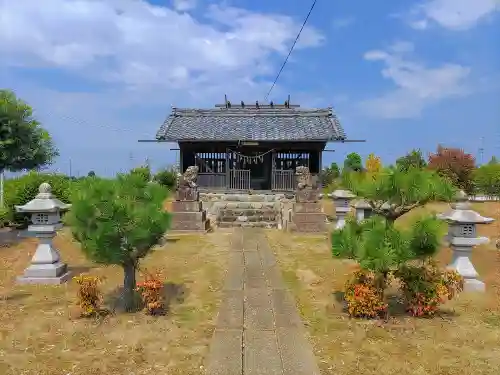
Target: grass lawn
40, 334
464, 339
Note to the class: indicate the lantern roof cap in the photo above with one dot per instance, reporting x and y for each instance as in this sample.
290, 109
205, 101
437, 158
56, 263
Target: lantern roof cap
44, 202
465, 216
345, 194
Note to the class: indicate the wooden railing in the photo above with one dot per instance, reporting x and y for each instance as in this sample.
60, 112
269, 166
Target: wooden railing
239, 179
283, 180
212, 180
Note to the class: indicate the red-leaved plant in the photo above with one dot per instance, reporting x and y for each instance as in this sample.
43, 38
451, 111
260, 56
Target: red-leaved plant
427, 287
365, 296
456, 165
151, 290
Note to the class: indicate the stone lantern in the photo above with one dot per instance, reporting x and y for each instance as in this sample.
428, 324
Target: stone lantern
363, 210
46, 266
342, 199
462, 238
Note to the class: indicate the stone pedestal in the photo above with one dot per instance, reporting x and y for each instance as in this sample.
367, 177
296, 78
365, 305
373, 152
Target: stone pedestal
187, 212
46, 266
307, 214
462, 251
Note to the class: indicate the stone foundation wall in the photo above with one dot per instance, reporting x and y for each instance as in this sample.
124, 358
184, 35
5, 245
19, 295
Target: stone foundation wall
240, 209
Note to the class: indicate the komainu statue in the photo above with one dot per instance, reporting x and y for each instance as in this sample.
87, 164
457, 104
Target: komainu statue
188, 179
304, 180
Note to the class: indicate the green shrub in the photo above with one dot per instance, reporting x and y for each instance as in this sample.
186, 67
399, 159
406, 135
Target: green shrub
144, 172
20, 190
167, 178
4, 217
487, 179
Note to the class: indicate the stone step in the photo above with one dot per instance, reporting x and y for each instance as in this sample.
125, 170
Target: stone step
251, 219
247, 211
223, 205
241, 197
246, 224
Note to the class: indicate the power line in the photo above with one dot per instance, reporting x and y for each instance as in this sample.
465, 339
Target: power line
291, 49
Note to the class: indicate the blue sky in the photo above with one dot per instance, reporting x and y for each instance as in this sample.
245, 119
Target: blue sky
102, 74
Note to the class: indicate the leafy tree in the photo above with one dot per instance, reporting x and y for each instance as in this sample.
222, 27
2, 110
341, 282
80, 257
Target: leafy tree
91, 174
494, 160
24, 144
167, 178
487, 179
382, 248
393, 193
143, 172
118, 221
456, 165
353, 162
377, 244
330, 174
373, 164
413, 159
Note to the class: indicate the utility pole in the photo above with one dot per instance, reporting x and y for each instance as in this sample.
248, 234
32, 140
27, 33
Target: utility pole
131, 158
70, 169
481, 151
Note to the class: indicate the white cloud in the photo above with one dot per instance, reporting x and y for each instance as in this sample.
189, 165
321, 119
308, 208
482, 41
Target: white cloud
340, 23
144, 59
416, 85
184, 5
452, 14
139, 44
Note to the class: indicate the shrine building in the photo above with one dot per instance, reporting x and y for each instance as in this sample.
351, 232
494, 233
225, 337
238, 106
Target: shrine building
251, 147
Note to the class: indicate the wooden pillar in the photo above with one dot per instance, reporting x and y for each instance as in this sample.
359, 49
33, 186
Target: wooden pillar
181, 160
273, 167
228, 170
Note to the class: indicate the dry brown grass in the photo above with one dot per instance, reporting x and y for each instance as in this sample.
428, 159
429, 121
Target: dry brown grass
464, 339
39, 334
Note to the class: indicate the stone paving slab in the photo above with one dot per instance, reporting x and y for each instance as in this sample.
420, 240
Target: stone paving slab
258, 329
285, 309
267, 258
274, 278
261, 355
254, 272
225, 354
237, 242
258, 310
231, 310
234, 278
236, 259
296, 352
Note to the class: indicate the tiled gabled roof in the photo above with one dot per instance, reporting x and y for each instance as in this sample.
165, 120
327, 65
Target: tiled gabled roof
247, 123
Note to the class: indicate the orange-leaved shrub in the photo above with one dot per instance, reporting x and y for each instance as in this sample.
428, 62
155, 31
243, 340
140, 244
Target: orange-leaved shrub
89, 296
426, 287
151, 290
364, 296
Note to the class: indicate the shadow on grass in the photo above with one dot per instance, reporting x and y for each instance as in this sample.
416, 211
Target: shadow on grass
9, 237
78, 270
15, 297
172, 293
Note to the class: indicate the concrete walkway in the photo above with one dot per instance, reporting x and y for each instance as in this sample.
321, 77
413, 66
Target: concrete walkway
258, 330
